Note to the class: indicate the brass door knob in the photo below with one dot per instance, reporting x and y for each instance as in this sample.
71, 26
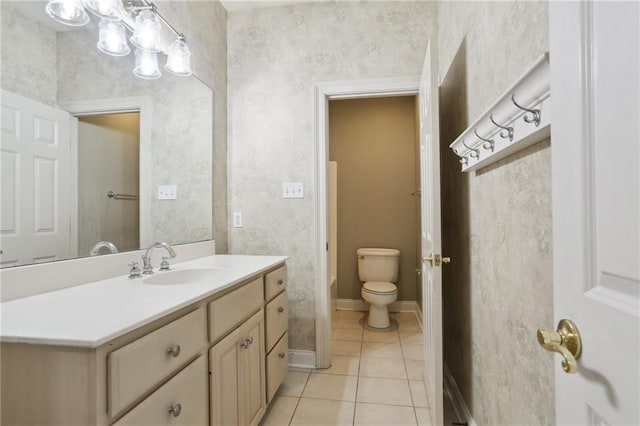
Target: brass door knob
436, 259
566, 341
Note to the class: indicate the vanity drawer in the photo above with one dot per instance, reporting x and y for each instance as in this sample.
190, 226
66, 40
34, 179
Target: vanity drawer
186, 394
230, 310
137, 367
277, 319
275, 282
277, 366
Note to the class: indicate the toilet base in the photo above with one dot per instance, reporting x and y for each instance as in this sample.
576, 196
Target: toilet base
378, 316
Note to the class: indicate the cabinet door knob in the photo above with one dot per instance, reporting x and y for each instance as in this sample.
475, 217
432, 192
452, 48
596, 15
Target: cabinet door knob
280, 309
280, 281
282, 355
174, 351
175, 410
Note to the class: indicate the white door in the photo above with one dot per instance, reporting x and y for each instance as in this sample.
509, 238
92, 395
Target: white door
431, 239
595, 140
37, 198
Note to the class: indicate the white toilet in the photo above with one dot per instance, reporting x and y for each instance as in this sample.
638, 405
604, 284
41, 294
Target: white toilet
378, 269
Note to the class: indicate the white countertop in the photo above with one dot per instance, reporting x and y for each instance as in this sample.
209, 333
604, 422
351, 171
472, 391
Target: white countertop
92, 314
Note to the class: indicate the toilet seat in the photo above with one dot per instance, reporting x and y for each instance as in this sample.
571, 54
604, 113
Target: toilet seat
378, 287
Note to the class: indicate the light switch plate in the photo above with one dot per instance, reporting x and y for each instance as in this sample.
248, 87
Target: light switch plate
292, 190
167, 192
237, 219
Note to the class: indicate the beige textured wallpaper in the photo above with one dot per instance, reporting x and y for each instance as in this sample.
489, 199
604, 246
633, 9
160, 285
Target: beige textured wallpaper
275, 56
374, 142
497, 223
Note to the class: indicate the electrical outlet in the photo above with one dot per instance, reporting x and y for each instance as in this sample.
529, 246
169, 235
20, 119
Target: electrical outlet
167, 192
237, 219
292, 190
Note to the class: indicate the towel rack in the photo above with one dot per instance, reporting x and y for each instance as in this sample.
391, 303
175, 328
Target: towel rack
117, 196
517, 119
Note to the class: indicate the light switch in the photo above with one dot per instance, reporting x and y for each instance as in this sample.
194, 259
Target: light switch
167, 192
292, 190
237, 219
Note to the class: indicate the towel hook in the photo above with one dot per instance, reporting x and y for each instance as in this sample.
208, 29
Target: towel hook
474, 153
486, 143
509, 129
536, 112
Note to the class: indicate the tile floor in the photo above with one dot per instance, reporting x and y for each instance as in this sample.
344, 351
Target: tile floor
375, 379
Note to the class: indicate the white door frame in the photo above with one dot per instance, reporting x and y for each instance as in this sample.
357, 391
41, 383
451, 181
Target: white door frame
323, 91
141, 104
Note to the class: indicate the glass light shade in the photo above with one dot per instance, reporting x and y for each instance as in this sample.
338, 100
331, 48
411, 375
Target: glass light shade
68, 12
179, 59
146, 64
146, 31
113, 38
105, 9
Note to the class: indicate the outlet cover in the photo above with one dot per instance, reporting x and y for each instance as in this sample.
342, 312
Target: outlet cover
237, 219
292, 190
167, 192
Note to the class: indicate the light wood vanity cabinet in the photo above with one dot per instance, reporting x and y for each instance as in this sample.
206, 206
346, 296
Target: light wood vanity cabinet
217, 362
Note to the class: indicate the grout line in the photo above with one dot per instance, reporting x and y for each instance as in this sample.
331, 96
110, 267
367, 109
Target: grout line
359, 367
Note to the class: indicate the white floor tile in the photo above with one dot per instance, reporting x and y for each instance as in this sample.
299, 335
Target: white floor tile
293, 384
415, 369
381, 350
414, 352
321, 412
383, 367
411, 337
348, 322
418, 394
380, 336
343, 365
384, 391
384, 415
424, 417
345, 347
280, 411
354, 334
328, 386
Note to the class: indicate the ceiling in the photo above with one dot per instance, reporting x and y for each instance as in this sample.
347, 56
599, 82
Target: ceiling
233, 5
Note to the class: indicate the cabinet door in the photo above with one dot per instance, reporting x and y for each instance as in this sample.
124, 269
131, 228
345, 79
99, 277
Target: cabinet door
253, 395
223, 362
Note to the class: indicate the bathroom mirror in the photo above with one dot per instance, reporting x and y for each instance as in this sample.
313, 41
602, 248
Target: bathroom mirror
92, 153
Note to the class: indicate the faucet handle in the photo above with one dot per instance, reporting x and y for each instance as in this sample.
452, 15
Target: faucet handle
135, 270
164, 266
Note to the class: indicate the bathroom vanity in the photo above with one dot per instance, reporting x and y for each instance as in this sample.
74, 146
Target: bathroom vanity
205, 343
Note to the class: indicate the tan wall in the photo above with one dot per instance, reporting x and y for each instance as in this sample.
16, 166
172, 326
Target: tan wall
373, 142
108, 159
496, 224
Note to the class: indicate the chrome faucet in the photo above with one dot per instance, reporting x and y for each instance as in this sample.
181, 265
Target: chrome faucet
112, 248
148, 268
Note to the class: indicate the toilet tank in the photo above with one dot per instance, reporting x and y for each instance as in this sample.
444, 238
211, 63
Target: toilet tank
378, 264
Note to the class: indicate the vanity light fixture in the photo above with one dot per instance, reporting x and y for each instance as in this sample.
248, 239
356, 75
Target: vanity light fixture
179, 58
68, 12
146, 64
105, 9
115, 20
113, 38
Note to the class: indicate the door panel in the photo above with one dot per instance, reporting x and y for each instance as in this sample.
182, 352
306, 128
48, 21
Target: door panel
431, 234
595, 57
37, 200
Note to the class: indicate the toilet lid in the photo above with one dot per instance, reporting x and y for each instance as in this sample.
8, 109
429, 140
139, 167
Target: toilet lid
380, 287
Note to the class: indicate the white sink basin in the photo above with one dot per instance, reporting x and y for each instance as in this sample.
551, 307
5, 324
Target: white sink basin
184, 276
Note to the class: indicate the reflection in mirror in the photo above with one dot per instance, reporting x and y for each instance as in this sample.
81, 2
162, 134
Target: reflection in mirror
77, 127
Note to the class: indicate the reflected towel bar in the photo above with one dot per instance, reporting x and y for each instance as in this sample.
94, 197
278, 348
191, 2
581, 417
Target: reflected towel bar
116, 196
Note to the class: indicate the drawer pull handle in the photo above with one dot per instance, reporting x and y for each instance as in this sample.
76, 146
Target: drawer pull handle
247, 342
280, 309
282, 355
174, 351
175, 410
280, 281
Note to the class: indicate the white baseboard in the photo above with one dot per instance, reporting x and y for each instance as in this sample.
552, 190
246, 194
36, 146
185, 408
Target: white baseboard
361, 305
302, 359
459, 406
